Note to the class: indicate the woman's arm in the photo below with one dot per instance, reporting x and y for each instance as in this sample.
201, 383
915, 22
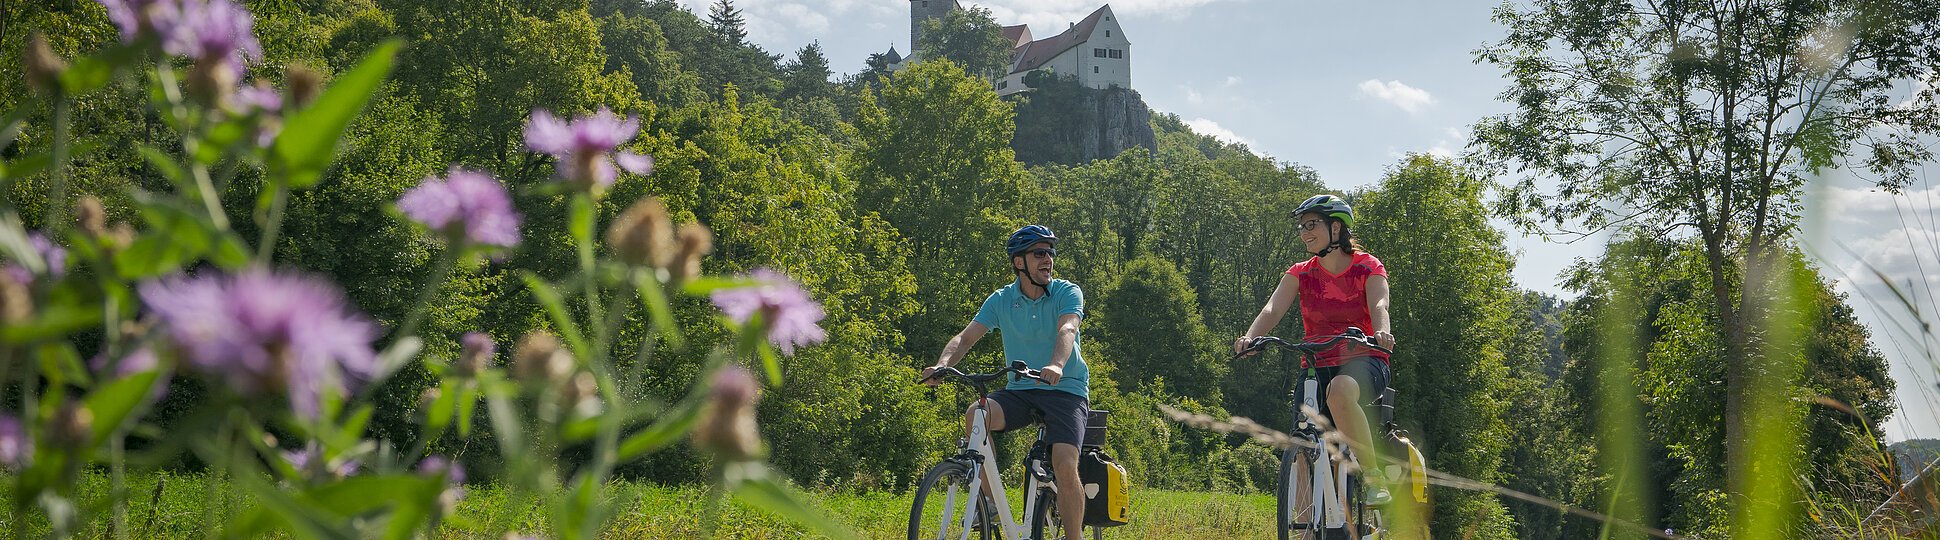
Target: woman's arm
1377, 311
1285, 296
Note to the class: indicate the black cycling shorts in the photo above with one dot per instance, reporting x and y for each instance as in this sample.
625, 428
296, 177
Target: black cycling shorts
1369, 373
1063, 413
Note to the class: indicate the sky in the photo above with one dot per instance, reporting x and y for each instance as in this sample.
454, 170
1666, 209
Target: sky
1348, 88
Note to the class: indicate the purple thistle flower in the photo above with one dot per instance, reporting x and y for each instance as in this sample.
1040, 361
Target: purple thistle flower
300, 460
141, 359
582, 145
212, 31
15, 446
436, 465
257, 97
51, 254
785, 308
135, 17
262, 331
465, 205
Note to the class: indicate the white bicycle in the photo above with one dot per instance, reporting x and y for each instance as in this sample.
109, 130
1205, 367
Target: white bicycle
950, 502
1332, 490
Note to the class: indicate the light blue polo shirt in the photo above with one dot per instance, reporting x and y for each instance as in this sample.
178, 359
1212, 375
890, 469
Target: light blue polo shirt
1029, 329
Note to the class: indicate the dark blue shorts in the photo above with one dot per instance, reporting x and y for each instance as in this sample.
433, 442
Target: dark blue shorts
1063, 413
1369, 373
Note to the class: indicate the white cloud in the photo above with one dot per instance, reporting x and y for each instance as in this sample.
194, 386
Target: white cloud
1231, 81
1406, 97
771, 21
1208, 127
1193, 96
1048, 17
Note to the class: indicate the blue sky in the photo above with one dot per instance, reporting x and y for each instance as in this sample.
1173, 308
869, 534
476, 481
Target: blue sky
1347, 88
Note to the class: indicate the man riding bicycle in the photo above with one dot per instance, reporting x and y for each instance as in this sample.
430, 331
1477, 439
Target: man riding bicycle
1341, 286
1037, 317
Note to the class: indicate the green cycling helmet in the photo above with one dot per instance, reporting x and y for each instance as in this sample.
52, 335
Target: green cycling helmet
1327, 205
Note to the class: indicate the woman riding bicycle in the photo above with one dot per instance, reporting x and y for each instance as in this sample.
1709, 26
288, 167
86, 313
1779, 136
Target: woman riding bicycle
1341, 286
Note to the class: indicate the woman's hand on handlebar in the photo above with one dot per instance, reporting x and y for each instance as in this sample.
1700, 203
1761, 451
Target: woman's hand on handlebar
1241, 346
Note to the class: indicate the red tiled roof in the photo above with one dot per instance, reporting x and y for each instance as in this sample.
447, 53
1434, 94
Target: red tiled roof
1016, 34
1040, 52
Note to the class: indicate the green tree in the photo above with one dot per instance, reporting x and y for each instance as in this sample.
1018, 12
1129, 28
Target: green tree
934, 159
1449, 275
1149, 321
807, 77
969, 37
1709, 118
726, 23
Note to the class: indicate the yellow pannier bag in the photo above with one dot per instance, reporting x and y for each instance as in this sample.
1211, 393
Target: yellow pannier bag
1108, 495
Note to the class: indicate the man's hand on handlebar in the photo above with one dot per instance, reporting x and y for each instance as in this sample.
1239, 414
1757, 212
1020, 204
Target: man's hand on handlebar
1050, 374
929, 375
1243, 346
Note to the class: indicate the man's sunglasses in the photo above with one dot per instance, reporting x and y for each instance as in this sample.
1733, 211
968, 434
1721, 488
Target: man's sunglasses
1046, 252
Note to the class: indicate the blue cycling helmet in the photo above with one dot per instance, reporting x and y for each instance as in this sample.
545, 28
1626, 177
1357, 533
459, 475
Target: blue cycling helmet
1027, 236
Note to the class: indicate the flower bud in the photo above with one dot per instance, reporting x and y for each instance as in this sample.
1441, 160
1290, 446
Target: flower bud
42, 65
643, 236
581, 396
16, 300
211, 81
727, 427
539, 358
305, 84
695, 242
16, 448
91, 216
73, 426
476, 356
428, 397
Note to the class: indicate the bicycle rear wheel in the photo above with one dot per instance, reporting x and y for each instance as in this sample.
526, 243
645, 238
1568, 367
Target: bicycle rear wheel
942, 499
1045, 519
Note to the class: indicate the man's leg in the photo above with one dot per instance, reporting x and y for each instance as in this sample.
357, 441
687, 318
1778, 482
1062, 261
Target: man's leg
1071, 493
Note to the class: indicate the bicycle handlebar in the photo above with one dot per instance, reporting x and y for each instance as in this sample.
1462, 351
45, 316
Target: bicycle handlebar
1311, 348
978, 379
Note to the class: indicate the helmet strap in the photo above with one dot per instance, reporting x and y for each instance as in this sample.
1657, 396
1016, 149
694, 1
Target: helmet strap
1333, 242
1026, 274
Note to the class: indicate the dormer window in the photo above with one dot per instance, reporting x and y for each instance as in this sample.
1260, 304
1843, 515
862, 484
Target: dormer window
1107, 33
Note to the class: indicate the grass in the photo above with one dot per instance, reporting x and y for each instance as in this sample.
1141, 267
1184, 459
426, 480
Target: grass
187, 502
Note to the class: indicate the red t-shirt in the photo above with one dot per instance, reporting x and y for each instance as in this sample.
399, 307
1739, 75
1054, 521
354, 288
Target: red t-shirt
1330, 303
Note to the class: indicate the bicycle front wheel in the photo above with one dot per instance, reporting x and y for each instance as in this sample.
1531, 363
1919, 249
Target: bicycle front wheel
1293, 515
942, 499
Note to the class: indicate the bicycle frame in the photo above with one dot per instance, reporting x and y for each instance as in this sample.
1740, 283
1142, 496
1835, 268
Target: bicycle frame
983, 459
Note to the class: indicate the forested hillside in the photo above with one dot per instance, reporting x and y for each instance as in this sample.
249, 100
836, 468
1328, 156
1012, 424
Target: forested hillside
888, 197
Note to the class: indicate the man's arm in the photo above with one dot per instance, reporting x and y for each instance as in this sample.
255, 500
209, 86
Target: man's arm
957, 347
1061, 349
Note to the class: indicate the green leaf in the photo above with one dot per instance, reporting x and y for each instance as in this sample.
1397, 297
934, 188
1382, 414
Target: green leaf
467, 403
766, 494
670, 428
61, 364
556, 307
114, 402
28, 165
52, 322
308, 141
438, 416
657, 306
701, 286
164, 163
88, 73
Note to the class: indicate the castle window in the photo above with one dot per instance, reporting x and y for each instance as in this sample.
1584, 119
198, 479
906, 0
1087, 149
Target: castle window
1117, 53
1107, 33
1003, 84
926, 3
1094, 69
1098, 53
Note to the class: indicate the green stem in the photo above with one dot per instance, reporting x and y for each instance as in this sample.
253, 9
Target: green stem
211, 201
428, 290
273, 224
56, 216
118, 480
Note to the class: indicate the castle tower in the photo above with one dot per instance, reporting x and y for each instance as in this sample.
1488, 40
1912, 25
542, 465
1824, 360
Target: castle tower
923, 10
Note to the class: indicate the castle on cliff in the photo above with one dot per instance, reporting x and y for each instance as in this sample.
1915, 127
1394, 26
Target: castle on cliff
1093, 50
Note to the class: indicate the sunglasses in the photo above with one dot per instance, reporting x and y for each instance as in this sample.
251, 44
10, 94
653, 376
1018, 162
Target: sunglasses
1045, 252
1308, 225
